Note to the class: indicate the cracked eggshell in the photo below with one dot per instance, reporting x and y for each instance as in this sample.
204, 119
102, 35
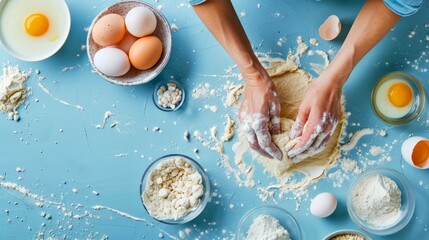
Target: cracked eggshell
415, 151
331, 28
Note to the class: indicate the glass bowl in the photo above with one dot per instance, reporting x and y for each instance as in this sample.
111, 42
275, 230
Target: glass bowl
165, 84
418, 98
345, 232
133, 76
407, 202
203, 199
284, 217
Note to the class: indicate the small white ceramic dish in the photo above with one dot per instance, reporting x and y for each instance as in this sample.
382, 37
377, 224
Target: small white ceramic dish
12, 46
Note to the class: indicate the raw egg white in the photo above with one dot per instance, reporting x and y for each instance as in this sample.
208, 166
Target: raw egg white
394, 98
34, 29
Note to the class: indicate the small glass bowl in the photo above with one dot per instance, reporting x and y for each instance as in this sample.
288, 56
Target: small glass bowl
203, 199
284, 217
418, 100
345, 232
407, 202
155, 95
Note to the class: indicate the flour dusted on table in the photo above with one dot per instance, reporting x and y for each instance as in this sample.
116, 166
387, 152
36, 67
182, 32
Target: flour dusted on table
12, 91
173, 189
266, 227
377, 200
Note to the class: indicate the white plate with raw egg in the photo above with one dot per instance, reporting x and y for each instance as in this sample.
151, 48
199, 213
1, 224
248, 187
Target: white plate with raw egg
129, 43
33, 30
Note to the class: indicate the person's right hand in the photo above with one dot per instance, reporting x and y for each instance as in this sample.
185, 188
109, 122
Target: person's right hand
259, 113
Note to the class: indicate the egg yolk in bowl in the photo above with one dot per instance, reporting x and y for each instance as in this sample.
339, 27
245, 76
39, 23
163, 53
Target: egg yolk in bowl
36, 24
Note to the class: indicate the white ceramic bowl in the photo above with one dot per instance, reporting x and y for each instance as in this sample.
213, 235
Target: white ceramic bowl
407, 202
134, 76
65, 13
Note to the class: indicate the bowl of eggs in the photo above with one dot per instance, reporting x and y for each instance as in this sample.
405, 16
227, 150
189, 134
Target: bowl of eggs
33, 30
129, 43
398, 98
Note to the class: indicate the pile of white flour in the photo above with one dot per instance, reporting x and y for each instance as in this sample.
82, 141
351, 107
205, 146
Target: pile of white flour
12, 91
377, 200
266, 227
173, 189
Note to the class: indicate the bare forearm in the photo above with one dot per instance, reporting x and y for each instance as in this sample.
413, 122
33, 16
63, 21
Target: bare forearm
222, 21
373, 22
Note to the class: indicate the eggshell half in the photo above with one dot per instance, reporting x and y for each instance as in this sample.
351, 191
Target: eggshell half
331, 28
407, 149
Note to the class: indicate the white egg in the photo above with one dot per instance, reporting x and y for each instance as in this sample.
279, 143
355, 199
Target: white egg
323, 205
112, 62
34, 30
140, 21
384, 103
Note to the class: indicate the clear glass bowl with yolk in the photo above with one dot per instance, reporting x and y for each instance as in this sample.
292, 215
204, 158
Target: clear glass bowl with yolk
398, 98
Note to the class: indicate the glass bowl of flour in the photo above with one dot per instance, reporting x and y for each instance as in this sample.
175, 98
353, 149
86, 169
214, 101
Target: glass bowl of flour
174, 189
268, 222
381, 201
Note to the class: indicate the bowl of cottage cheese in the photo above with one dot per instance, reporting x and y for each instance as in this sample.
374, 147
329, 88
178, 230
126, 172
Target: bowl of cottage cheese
174, 189
268, 223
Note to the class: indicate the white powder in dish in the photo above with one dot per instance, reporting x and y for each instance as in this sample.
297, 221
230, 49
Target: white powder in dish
377, 200
12, 91
266, 227
173, 189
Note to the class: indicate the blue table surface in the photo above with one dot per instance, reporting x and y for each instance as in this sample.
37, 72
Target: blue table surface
61, 150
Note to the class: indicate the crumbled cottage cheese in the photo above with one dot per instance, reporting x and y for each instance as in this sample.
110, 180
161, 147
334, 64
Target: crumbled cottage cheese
377, 200
12, 91
173, 189
266, 227
347, 237
170, 96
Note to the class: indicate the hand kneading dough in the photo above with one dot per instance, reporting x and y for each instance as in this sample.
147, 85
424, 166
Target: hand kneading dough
292, 84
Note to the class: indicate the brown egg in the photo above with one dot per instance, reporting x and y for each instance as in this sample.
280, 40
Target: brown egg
126, 43
109, 30
145, 52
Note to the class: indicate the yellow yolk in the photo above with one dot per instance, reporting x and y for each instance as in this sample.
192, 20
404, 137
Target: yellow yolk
36, 24
400, 94
420, 153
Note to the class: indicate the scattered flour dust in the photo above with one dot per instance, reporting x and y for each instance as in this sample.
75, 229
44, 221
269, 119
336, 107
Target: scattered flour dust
266, 227
291, 83
59, 100
12, 91
377, 200
173, 189
69, 216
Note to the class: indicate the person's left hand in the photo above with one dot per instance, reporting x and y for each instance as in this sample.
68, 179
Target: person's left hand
317, 118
